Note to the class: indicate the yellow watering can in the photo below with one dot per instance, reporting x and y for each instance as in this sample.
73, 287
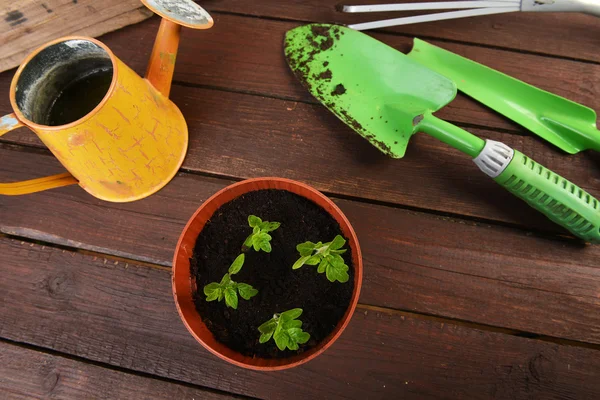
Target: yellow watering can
118, 135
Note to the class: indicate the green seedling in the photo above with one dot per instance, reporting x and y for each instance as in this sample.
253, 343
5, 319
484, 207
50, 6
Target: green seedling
326, 256
260, 238
285, 329
228, 289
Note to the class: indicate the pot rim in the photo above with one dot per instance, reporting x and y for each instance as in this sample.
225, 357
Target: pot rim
183, 253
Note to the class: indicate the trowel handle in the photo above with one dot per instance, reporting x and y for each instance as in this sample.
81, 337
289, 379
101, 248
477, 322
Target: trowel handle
557, 198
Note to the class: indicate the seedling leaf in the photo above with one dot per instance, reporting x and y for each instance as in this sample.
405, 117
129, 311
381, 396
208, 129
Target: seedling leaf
210, 288
337, 243
254, 221
338, 251
314, 260
296, 323
266, 246
327, 256
298, 336
282, 340
292, 345
231, 298
212, 291
229, 289
268, 326
259, 239
305, 249
273, 226
300, 262
237, 264
225, 280
291, 314
246, 291
322, 266
285, 330
265, 337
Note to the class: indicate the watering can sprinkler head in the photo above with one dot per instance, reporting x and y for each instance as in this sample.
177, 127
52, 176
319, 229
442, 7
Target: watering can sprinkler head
175, 14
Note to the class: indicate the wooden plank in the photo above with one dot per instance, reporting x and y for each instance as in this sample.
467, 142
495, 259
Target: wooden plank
246, 54
28, 24
122, 314
27, 374
413, 261
47, 215
242, 136
565, 34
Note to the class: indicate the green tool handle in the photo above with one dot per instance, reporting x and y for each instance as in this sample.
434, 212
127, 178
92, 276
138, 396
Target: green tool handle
560, 200
557, 198
449, 134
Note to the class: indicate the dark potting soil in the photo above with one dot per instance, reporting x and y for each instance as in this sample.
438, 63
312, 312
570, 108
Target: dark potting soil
279, 287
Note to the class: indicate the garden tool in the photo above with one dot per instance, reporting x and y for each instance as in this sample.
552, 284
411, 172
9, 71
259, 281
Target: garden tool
468, 9
118, 135
387, 97
566, 124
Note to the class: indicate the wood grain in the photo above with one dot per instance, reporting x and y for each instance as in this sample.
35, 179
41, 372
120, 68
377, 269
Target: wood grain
413, 261
27, 374
28, 24
248, 117
564, 34
122, 314
246, 54
245, 136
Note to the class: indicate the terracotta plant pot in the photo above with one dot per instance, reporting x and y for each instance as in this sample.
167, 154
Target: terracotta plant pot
184, 284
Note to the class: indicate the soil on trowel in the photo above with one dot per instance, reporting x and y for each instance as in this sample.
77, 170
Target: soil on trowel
279, 287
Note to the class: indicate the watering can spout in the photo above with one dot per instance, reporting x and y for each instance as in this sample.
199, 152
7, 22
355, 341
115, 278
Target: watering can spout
162, 60
174, 13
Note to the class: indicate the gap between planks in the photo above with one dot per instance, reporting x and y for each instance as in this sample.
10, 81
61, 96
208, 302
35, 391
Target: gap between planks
115, 260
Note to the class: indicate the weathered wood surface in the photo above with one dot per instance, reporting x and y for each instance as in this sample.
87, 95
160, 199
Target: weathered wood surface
322, 151
244, 54
572, 36
28, 24
494, 272
28, 374
413, 261
123, 315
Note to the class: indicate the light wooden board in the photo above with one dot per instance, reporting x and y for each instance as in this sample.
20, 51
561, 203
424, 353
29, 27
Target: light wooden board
28, 24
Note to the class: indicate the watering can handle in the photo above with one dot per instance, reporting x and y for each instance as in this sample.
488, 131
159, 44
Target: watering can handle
560, 200
7, 124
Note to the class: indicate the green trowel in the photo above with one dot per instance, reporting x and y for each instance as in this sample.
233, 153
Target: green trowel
387, 97
564, 123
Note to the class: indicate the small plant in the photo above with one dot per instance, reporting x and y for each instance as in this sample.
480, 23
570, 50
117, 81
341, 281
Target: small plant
260, 238
326, 256
286, 329
229, 289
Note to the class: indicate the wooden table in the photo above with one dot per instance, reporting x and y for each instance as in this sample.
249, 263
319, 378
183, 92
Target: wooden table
468, 293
